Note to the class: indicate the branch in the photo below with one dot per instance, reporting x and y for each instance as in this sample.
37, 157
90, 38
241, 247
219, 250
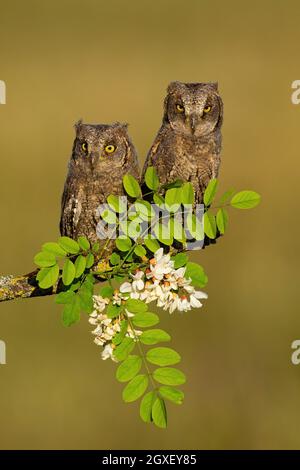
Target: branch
22, 287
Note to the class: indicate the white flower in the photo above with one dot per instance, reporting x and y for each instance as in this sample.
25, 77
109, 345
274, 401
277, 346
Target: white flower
160, 265
194, 298
108, 352
183, 304
100, 303
106, 328
117, 297
135, 287
126, 287
138, 283
172, 302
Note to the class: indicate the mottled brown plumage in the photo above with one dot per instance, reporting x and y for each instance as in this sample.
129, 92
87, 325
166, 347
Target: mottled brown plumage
102, 154
188, 144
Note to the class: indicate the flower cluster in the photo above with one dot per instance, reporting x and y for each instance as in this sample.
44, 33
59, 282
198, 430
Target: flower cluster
162, 283
106, 328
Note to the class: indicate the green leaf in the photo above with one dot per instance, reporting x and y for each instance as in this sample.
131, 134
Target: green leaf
210, 226
131, 186
151, 178
187, 194
47, 277
158, 200
123, 349
123, 243
129, 368
140, 251
210, 191
54, 248
89, 281
152, 244
196, 273
84, 243
159, 413
68, 273
136, 306
69, 245
173, 199
169, 376
163, 356
143, 209
135, 388
74, 286
80, 265
64, 297
222, 220
145, 319
162, 233
109, 216
227, 195
114, 259
245, 200
134, 229
86, 299
96, 247
113, 310
90, 260
146, 407
172, 394
44, 259
117, 203
106, 291
154, 336
71, 312
176, 230
174, 184
195, 226
118, 338
180, 260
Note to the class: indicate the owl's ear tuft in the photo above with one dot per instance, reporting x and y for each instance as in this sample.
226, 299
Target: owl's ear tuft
172, 87
78, 125
120, 125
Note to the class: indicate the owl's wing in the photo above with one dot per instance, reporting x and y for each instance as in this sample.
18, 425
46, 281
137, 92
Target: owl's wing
71, 208
161, 156
150, 159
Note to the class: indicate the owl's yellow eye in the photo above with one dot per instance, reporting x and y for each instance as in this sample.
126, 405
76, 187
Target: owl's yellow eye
84, 146
110, 148
180, 108
207, 109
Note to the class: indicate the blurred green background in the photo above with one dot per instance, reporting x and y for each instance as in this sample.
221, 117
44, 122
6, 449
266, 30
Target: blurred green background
112, 60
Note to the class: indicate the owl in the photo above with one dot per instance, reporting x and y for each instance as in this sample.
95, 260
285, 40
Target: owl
102, 154
188, 144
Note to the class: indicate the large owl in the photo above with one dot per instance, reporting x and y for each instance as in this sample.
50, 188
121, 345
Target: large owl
188, 144
102, 154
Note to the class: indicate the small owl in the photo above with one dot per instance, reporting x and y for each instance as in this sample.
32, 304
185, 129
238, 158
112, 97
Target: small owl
188, 144
102, 154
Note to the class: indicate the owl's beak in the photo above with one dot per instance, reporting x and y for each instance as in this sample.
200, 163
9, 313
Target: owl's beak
94, 157
193, 122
